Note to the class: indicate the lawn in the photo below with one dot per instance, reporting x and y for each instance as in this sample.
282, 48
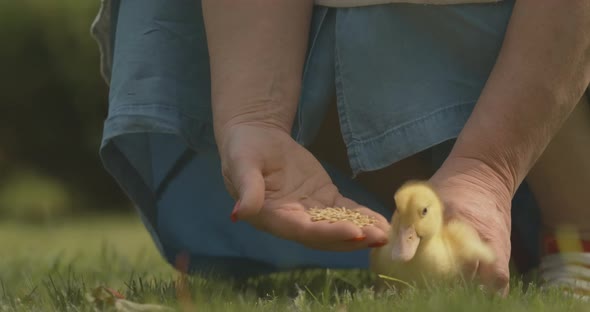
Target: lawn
52, 267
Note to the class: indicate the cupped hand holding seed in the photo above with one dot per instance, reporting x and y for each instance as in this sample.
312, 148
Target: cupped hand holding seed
275, 181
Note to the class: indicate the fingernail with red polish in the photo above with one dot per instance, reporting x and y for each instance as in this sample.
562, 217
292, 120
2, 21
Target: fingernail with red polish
377, 244
233, 216
357, 239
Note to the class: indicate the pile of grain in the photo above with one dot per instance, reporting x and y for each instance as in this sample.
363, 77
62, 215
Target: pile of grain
335, 214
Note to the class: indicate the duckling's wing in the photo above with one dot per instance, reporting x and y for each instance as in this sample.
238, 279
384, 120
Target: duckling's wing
466, 243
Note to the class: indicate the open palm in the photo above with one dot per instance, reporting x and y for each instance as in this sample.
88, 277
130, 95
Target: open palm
274, 180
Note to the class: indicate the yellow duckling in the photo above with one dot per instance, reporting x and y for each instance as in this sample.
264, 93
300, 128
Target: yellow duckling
421, 246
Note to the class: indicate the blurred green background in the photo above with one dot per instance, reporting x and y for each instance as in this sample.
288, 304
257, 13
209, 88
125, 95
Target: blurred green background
53, 104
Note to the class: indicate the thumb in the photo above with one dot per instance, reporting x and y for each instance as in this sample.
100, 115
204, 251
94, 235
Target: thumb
249, 185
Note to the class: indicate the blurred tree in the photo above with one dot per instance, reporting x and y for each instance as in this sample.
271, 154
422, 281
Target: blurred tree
53, 99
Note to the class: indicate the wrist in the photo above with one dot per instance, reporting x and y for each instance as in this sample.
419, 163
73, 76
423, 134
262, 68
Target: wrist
480, 176
224, 132
497, 169
263, 115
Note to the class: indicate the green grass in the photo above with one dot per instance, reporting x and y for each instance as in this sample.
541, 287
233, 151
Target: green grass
51, 267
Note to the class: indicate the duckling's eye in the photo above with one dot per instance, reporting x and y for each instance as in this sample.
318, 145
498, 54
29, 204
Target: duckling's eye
424, 211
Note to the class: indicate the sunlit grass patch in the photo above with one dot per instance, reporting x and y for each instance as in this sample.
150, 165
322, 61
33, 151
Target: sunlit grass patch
54, 267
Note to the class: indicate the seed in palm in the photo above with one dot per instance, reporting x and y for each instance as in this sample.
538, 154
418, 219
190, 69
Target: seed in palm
335, 214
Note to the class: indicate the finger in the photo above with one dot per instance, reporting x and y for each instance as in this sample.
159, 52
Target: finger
337, 236
496, 276
376, 237
249, 185
495, 279
293, 223
469, 271
377, 233
380, 222
229, 186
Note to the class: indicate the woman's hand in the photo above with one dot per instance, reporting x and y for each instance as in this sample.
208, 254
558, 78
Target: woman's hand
257, 50
529, 94
472, 193
274, 180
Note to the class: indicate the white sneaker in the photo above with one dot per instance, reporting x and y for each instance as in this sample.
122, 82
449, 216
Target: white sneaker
569, 271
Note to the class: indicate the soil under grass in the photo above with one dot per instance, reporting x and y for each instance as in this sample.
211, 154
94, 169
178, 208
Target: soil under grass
52, 267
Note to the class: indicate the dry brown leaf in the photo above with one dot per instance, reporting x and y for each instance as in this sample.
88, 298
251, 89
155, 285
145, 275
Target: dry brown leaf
103, 297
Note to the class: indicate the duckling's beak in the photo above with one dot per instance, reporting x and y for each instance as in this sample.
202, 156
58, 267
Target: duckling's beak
405, 244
